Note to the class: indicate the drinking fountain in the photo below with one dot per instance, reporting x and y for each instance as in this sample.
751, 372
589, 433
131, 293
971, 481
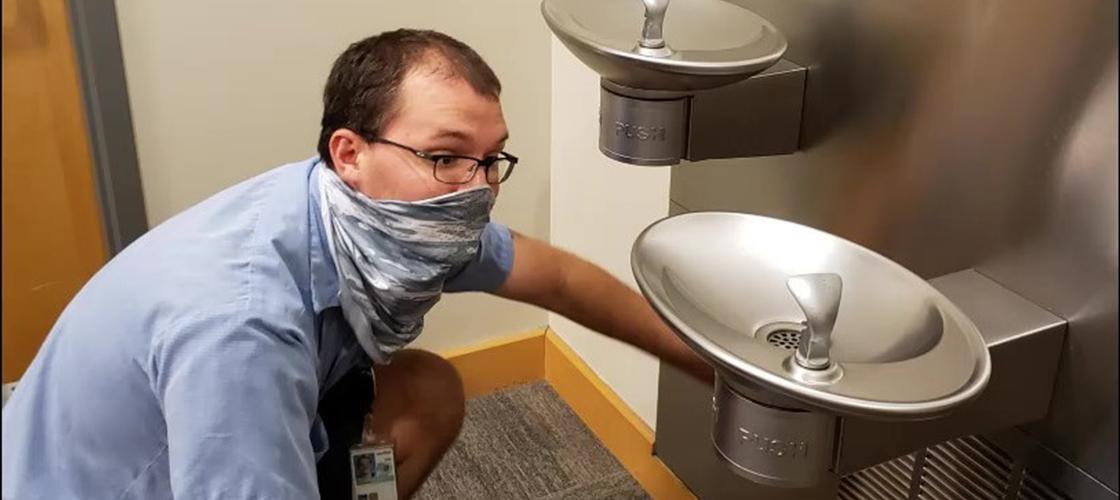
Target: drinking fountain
829, 357
669, 70
803, 326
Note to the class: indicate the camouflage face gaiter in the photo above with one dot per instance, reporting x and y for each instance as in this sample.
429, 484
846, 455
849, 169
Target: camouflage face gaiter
393, 256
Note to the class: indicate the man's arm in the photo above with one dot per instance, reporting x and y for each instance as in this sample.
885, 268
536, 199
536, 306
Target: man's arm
556, 280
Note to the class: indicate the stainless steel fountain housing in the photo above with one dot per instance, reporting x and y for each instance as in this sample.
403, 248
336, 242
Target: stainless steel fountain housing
669, 72
830, 357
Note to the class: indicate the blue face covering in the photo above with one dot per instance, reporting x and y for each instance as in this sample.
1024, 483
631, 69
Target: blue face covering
393, 257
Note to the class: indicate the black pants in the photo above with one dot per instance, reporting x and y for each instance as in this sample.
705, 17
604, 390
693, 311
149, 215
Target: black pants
343, 410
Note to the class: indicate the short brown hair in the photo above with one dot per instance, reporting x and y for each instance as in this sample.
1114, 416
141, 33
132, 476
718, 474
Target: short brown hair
362, 88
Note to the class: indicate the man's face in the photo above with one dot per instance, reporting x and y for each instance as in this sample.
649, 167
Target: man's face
435, 114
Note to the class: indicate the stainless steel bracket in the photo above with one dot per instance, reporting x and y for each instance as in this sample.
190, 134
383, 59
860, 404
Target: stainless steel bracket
1025, 344
759, 116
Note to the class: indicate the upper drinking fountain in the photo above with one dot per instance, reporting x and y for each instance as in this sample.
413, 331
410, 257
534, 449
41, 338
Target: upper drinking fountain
652, 45
657, 60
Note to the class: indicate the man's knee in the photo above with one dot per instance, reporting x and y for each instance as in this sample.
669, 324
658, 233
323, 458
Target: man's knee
435, 389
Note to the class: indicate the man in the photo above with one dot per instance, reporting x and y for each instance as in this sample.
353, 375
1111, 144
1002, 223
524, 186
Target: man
227, 353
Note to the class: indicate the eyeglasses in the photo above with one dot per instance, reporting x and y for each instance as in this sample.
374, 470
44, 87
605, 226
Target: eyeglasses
457, 169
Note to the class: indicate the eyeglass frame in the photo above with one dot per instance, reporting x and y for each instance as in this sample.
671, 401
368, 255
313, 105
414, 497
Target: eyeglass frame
435, 158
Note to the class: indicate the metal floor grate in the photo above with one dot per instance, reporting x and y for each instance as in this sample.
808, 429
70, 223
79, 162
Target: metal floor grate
968, 468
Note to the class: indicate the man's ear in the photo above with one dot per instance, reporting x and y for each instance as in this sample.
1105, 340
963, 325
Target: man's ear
345, 147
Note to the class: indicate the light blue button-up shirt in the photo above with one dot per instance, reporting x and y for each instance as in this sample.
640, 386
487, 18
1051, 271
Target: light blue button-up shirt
191, 365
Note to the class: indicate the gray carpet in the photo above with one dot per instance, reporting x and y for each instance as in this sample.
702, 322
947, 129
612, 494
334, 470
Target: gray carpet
523, 442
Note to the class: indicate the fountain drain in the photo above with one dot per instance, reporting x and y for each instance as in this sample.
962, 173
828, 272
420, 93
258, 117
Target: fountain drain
782, 334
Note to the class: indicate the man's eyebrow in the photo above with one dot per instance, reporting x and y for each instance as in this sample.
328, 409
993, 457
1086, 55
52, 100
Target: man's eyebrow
458, 135
501, 142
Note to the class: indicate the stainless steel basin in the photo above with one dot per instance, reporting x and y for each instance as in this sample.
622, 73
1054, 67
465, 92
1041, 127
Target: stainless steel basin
899, 349
706, 43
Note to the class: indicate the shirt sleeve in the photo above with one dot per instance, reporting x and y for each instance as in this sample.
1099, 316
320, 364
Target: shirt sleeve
490, 267
238, 403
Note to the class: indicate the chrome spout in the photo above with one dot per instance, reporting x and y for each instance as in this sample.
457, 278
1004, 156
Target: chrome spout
818, 295
655, 18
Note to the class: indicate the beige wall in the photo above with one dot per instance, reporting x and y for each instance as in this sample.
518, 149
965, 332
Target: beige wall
598, 208
221, 91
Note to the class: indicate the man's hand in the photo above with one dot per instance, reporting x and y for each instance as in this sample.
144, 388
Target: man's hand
556, 280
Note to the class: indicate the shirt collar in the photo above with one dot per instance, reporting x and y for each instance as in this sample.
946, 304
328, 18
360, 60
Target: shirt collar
324, 275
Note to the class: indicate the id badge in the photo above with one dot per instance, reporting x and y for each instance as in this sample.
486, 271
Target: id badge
373, 472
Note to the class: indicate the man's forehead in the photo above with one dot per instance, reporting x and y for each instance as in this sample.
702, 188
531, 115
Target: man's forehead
447, 108
420, 86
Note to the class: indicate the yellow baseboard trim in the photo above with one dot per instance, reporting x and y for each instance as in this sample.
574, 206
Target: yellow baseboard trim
620, 430
498, 363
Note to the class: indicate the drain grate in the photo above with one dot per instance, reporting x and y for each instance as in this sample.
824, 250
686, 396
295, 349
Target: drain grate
781, 334
786, 339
